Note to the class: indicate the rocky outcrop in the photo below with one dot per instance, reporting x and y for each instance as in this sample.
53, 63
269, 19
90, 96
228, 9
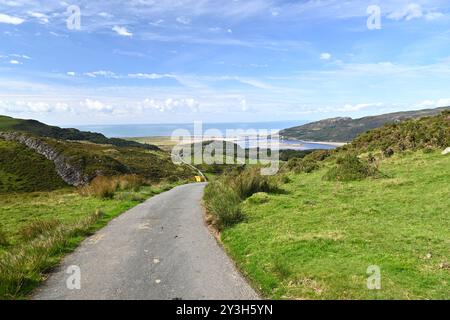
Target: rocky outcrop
71, 174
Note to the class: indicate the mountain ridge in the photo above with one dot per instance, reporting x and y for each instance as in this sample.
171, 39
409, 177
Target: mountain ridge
345, 129
71, 134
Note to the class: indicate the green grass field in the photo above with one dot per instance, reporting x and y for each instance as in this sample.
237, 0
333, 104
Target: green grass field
29, 250
316, 239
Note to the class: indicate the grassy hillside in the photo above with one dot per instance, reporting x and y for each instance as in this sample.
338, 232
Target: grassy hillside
347, 129
43, 130
316, 240
101, 159
312, 232
23, 170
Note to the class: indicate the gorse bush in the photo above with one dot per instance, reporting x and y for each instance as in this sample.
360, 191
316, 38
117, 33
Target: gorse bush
37, 228
428, 132
309, 163
302, 165
349, 167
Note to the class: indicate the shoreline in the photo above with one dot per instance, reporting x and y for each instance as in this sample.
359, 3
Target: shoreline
284, 144
329, 143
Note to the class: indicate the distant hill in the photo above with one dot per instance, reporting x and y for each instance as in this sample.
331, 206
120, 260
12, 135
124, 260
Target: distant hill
43, 130
38, 157
347, 129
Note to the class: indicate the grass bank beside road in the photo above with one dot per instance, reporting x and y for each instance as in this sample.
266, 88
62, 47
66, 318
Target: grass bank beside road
316, 239
38, 229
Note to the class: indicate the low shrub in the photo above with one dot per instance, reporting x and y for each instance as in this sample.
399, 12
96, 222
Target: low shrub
387, 152
224, 205
259, 198
250, 181
349, 167
37, 228
319, 155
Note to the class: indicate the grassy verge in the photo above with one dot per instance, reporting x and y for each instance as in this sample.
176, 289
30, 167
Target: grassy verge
38, 229
224, 196
317, 239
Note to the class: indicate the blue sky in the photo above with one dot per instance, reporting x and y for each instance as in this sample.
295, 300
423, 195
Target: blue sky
158, 61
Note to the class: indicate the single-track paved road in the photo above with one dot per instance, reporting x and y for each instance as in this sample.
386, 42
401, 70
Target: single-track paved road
160, 249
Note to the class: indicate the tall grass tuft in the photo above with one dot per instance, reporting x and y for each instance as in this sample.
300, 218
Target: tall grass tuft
22, 268
37, 228
223, 203
3, 238
223, 197
250, 181
105, 187
130, 182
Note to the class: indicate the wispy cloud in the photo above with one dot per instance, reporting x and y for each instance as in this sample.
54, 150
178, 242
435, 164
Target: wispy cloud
122, 31
325, 56
7, 19
41, 17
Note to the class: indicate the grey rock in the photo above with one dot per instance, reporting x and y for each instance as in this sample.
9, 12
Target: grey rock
71, 174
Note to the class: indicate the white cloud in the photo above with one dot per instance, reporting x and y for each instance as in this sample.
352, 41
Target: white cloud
325, 56
15, 62
23, 56
244, 106
435, 104
122, 31
414, 11
96, 105
105, 15
443, 103
358, 107
102, 73
156, 23
434, 16
4, 18
32, 107
169, 105
71, 73
184, 20
41, 17
149, 76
